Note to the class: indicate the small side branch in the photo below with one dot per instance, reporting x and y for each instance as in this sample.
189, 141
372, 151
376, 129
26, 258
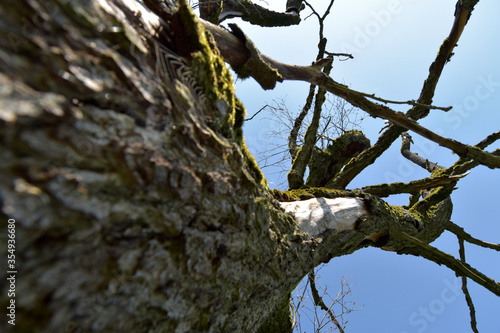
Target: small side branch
294, 133
489, 140
410, 102
256, 113
384, 190
468, 298
431, 253
460, 233
318, 301
414, 157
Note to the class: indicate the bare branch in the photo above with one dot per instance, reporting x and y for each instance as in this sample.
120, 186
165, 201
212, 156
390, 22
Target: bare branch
468, 298
295, 308
413, 157
292, 139
346, 55
256, 113
462, 234
318, 301
314, 75
461, 269
412, 102
217, 11
384, 190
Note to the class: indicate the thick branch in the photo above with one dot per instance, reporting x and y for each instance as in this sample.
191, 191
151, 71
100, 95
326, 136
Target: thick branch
312, 74
417, 112
217, 11
296, 174
292, 139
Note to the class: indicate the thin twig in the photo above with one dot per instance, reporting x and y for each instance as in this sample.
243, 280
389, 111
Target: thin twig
318, 301
347, 55
410, 102
256, 113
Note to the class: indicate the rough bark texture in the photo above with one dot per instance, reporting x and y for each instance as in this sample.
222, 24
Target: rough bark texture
138, 206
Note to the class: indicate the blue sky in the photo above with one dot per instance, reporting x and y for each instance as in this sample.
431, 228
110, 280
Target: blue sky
394, 42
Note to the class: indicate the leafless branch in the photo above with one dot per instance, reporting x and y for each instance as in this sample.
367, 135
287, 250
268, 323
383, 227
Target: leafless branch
468, 298
384, 190
318, 301
230, 46
461, 234
431, 253
413, 157
256, 113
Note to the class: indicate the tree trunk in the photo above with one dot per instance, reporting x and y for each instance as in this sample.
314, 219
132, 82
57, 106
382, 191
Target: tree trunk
136, 203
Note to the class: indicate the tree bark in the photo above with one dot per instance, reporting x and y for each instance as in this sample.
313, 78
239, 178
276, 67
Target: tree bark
137, 204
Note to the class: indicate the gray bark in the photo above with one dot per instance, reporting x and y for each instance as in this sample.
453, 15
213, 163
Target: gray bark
137, 205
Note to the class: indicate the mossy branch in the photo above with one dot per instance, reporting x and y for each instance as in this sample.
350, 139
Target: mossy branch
313, 74
294, 133
419, 110
325, 164
461, 233
465, 290
299, 165
441, 258
255, 65
296, 175
385, 190
216, 11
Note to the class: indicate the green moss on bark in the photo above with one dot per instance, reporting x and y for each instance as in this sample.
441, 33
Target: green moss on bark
326, 164
313, 192
226, 112
280, 321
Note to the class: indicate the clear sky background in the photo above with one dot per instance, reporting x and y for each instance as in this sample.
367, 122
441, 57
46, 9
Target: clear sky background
393, 43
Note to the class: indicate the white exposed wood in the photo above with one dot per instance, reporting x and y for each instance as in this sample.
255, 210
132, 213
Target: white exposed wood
318, 215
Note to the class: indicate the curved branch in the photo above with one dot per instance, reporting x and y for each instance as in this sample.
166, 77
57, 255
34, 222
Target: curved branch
461, 233
414, 157
313, 75
441, 258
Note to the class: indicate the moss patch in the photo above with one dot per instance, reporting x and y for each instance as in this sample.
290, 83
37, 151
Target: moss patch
313, 192
211, 74
280, 321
